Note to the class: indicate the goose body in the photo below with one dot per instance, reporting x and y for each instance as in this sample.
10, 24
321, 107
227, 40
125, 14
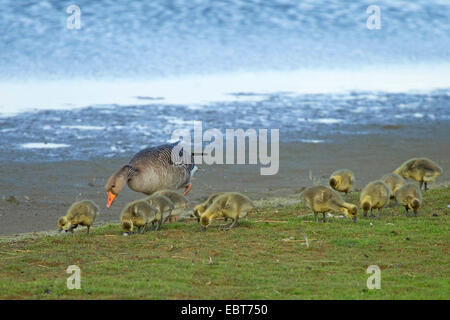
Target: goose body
394, 182
422, 170
200, 208
180, 202
375, 195
153, 169
324, 199
137, 214
161, 204
81, 213
409, 196
232, 205
342, 180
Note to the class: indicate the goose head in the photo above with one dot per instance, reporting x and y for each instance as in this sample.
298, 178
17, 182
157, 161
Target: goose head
62, 224
351, 211
115, 184
205, 221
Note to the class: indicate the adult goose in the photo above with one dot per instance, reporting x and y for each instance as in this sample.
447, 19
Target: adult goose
153, 169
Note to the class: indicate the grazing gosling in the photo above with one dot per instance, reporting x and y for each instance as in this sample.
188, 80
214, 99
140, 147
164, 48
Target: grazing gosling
394, 182
374, 196
137, 214
200, 208
233, 205
179, 201
162, 204
422, 170
342, 180
410, 196
82, 213
324, 199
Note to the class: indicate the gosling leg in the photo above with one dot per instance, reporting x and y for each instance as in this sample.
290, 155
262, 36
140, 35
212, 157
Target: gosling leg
407, 211
233, 224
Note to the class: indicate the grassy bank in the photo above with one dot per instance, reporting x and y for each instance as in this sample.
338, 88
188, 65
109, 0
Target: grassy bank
266, 257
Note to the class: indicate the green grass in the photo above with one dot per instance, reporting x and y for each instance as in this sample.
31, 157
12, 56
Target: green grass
257, 260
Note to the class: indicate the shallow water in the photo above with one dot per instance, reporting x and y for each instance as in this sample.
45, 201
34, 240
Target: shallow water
136, 71
122, 130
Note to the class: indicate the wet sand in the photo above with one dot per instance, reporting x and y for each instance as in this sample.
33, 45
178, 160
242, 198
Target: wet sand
42, 192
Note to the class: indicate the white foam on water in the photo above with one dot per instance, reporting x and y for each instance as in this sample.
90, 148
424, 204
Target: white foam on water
196, 91
312, 141
80, 127
179, 121
41, 145
321, 120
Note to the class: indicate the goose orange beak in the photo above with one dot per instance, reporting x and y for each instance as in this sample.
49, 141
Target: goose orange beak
111, 198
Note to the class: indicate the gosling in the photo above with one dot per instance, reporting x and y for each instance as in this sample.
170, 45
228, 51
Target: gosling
375, 195
137, 214
394, 182
342, 180
322, 199
232, 205
179, 201
200, 208
410, 196
82, 213
422, 170
162, 204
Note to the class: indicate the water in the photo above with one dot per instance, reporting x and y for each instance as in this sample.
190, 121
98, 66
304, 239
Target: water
136, 71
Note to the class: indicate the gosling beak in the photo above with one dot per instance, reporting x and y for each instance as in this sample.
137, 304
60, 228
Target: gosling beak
59, 230
111, 198
354, 219
198, 220
203, 229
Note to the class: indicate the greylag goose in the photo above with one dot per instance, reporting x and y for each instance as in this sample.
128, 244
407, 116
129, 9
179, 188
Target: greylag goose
232, 205
394, 182
342, 180
81, 213
410, 196
324, 199
375, 195
153, 169
422, 170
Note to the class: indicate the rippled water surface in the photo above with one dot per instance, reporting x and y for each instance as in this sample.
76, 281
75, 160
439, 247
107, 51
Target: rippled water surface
152, 41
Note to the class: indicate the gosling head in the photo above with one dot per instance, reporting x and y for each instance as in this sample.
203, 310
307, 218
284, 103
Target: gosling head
366, 206
62, 224
333, 183
205, 221
414, 205
127, 225
115, 184
198, 210
351, 212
